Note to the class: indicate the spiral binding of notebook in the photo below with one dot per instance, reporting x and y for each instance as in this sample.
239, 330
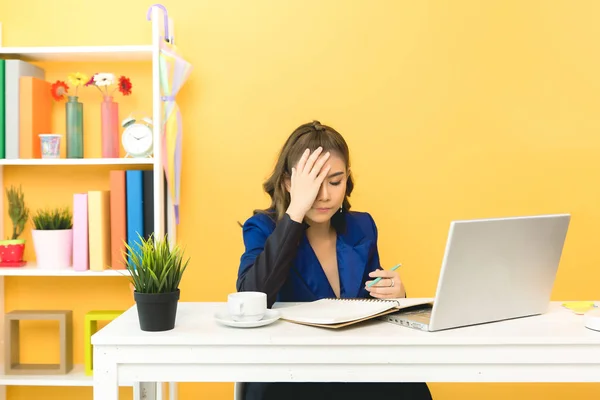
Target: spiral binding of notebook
362, 300
356, 299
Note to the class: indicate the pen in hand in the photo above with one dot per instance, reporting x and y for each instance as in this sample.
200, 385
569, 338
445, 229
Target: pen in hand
395, 267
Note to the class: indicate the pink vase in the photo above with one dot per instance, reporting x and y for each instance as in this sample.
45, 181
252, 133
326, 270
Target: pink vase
110, 127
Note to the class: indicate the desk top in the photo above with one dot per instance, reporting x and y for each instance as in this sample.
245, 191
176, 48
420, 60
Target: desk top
195, 325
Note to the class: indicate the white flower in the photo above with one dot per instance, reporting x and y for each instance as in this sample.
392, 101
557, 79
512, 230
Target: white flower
104, 79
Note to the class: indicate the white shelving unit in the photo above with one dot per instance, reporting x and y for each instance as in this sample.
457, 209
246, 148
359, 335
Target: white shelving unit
31, 269
122, 53
80, 53
80, 161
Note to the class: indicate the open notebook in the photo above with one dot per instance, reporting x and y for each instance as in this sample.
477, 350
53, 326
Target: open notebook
336, 313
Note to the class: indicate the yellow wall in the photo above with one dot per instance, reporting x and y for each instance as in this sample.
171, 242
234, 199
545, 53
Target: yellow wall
452, 109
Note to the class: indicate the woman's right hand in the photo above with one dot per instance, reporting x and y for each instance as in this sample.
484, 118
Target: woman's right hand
307, 177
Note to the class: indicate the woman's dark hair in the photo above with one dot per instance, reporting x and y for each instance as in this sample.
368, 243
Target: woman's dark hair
306, 136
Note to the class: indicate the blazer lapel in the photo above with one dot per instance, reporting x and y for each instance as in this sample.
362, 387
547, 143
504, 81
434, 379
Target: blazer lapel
353, 250
352, 262
310, 270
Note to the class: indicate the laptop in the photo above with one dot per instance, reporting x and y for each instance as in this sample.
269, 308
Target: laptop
493, 270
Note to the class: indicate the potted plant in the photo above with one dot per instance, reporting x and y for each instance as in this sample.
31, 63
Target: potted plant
11, 249
155, 271
53, 237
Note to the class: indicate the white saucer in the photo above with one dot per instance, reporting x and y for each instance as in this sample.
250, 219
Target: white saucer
224, 318
592, 319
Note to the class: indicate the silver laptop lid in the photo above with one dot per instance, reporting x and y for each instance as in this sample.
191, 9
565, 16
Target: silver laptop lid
496, 269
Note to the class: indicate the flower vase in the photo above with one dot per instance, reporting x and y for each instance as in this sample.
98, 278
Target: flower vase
109, 111
74, 124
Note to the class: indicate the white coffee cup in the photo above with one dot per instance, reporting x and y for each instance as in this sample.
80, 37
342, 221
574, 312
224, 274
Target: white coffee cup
247, 306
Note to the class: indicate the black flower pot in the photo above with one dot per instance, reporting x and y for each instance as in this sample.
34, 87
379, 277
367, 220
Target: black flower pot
157, 311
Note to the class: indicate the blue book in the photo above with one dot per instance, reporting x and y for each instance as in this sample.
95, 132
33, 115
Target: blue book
135, 208
148, 203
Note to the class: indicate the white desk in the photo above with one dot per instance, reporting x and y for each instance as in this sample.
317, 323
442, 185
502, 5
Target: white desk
554, 347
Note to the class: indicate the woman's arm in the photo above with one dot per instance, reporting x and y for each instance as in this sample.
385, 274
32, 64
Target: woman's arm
266, 263
268, 258
374, 270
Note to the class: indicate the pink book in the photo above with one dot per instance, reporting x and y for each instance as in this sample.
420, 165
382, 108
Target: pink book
80, 232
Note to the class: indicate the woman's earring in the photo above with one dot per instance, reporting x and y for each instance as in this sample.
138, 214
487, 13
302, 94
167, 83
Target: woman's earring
341, 208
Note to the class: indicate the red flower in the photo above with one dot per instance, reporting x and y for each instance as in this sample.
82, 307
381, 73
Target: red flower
90, 81
125, 86
59, 90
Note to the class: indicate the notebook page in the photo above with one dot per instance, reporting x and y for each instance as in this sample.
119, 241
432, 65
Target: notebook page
334, 311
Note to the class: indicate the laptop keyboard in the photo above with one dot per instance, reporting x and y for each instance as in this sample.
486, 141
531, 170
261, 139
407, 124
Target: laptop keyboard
413, 318
422, 312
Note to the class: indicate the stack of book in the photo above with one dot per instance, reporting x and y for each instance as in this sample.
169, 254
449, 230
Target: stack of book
104, 220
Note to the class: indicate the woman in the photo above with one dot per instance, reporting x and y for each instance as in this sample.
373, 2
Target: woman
308, 245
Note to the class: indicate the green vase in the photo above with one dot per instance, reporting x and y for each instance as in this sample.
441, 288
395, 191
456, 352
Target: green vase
74, 112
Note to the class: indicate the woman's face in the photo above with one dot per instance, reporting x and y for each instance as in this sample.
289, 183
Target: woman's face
331, 194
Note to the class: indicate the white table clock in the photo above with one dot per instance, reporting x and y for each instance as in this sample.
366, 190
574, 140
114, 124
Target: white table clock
137, 137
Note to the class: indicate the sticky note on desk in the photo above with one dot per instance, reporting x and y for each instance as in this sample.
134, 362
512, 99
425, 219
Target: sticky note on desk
579, 307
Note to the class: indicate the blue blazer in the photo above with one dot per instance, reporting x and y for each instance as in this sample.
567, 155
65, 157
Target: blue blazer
279, 260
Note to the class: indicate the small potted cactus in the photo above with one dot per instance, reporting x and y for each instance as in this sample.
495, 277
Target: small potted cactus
11, 249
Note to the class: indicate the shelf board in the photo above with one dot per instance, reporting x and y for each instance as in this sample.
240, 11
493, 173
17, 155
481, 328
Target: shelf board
79, 53
78, 161
75, 377
31, 269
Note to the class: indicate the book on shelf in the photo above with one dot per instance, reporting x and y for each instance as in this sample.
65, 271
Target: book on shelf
2, 107
99, 229
135, 208
118, 218
148, 196
35, 115
13, 71
80, 232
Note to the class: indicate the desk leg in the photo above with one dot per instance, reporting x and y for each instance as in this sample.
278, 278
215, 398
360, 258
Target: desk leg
146, 391
106, 385
173, 391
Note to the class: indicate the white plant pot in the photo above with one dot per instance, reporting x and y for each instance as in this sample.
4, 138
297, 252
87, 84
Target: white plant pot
53, 248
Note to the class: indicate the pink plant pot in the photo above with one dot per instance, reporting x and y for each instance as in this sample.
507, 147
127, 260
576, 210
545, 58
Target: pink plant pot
53, 248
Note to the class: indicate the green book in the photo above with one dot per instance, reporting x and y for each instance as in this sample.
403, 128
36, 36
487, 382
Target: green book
2, 111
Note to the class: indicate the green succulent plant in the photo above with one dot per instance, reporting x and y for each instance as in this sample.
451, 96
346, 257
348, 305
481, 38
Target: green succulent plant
53, 219
154, 266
